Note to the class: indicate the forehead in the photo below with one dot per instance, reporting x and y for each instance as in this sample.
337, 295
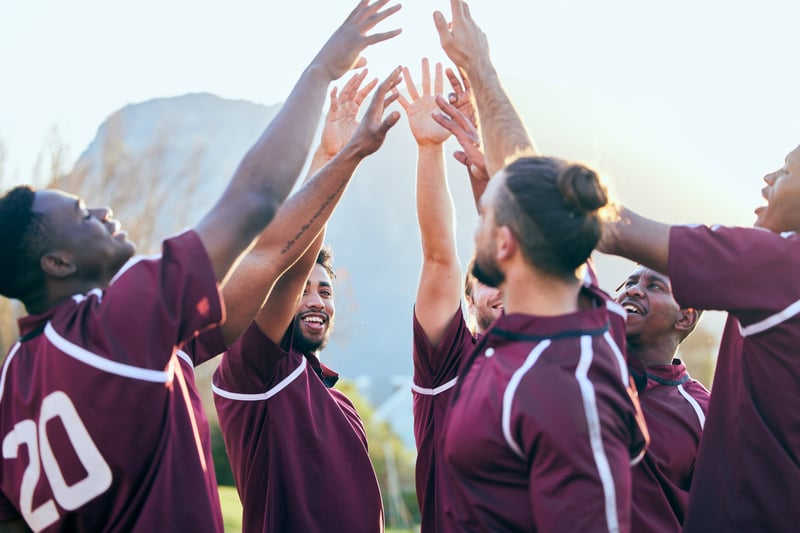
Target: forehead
794, 156
318, 276
51, 201
642, 272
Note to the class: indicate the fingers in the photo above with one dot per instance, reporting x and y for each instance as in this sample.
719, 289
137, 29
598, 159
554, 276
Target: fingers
455, 82
393, 95
334, 105
412, 90
349, 89
403, 102
426, 77
445, 37
438, 81
363, 93
467, 86
378, 37
457, 116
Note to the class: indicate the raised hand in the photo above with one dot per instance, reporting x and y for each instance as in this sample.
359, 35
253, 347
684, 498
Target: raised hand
466, 133
461, 98
420, 109
371, 132
341, 121
462, 40
342, 50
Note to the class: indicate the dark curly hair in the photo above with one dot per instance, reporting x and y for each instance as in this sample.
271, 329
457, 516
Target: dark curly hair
325, 259
553, 209
24, 237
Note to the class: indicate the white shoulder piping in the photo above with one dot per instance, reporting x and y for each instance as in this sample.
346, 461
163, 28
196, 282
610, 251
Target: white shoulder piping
701, 417
6, 363
623, 366
106, 365
511, 389
771, 321
595, 432
257, 397
436, 390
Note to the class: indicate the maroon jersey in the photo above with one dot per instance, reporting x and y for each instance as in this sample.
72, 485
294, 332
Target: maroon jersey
298, 448
435, 374
747, 476
99, 430
674, 407
542, 430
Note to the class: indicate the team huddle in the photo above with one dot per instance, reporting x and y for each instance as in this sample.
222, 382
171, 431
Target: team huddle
563, 409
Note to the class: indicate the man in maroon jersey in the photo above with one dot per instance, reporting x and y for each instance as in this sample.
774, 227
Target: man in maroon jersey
99, 427
297, 445
541, 429
441, 335
746, 477
674, 405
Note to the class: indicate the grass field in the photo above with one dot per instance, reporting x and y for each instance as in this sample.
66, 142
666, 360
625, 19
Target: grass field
232, 512
231, 509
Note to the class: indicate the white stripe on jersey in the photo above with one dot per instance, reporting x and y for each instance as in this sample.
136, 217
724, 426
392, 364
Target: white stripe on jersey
106, 365
7, 362
511, 389
185, 356
296, 373
701, 417
623, 367
78, 298
772, 321
436, 390
130, 262
595, 432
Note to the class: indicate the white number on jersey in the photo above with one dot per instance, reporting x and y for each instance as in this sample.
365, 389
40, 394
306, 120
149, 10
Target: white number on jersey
70, 497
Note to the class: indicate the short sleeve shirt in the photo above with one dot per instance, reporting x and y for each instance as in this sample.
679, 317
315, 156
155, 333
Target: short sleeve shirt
747, 476
435, 375
542, 427
99, 432
297, 448
674, 407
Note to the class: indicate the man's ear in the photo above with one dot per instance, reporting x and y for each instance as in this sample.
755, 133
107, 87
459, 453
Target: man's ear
506, 243
57, 265
687, 320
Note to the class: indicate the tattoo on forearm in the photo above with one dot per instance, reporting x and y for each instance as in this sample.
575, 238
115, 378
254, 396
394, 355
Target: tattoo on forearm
305, 227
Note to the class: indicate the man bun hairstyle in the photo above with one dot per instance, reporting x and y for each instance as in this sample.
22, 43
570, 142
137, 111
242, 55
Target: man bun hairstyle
554, 209
24, 238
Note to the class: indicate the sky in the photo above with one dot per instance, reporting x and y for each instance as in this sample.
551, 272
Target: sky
718, 77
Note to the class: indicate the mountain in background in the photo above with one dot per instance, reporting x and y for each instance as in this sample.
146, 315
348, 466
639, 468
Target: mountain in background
161, 164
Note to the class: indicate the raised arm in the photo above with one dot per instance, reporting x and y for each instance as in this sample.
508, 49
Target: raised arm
315, 203
637, 238
459, 118
439, 291
269, 169
256, 273
504, 134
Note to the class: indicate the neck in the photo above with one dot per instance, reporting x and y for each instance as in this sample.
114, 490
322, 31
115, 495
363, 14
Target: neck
55, 294
660, 351
528, 291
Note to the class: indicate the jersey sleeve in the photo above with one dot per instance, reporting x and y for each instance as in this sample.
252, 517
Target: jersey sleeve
153, 305
745, 271
249, 365
205, 346
435, 366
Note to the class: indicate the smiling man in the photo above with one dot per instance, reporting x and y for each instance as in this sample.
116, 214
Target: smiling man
746, 477
674, 405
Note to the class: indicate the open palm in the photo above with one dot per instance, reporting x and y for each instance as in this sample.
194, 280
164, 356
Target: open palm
420, 108
341, 120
